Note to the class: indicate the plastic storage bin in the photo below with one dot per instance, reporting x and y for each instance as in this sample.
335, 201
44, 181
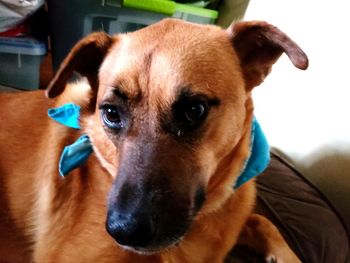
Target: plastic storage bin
71, 20
20, 60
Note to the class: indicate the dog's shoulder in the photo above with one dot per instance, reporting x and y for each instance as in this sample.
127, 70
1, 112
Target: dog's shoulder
18, 106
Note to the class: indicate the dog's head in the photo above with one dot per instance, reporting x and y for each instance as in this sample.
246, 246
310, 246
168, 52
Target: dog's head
169, 110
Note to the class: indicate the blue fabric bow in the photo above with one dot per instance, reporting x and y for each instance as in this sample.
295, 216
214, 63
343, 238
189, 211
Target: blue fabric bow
68, 115
259, 156
77, 153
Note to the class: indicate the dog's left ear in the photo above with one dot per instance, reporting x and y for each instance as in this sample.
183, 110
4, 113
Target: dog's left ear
85, 58
258, 46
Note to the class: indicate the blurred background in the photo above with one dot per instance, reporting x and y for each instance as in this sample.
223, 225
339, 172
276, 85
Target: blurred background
305, 115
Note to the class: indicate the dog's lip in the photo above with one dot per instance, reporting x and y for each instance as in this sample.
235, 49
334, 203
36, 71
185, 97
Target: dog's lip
151, 250
143, 251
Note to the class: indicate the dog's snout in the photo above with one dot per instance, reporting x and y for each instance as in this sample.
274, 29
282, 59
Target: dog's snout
150, 205
131, 230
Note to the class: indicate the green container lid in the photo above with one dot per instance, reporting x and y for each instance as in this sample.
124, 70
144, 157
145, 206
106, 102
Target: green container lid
170, 7
198, 11
158, 6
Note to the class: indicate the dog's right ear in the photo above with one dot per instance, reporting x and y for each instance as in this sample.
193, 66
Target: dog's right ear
85, 58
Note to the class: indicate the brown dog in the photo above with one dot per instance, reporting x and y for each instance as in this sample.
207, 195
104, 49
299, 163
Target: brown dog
168, 110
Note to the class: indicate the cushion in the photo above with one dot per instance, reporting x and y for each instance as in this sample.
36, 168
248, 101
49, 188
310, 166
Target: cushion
308, 222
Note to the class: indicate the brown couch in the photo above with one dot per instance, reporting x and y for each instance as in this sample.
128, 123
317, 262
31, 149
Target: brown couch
310, 224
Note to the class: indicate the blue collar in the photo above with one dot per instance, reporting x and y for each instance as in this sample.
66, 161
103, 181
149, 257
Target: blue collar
76, 154
259, 156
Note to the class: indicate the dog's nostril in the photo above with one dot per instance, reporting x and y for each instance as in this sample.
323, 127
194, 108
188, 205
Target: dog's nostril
133, 231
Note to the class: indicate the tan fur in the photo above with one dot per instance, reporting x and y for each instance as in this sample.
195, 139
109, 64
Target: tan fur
51, 219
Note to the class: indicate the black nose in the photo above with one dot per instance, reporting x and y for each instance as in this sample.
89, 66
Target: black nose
131, 230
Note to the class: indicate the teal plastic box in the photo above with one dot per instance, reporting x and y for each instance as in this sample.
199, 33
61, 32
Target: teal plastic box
20, 60
71, 20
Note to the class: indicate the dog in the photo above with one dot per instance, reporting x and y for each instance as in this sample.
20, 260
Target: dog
168, 112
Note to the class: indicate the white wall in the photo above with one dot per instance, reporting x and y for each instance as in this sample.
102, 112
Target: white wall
301, 110
307, 114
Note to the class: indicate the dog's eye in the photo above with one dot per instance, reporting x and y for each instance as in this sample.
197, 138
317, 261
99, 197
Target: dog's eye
188, 114
195, 111
111, 117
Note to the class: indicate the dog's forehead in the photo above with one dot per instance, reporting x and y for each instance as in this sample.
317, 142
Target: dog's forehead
169, 56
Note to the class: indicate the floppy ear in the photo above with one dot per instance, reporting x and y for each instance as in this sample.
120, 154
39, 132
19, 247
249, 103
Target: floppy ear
85, 58
258, 46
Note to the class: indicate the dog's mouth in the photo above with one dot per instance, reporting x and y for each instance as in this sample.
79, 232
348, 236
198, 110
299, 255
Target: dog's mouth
155, 249
143, 251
